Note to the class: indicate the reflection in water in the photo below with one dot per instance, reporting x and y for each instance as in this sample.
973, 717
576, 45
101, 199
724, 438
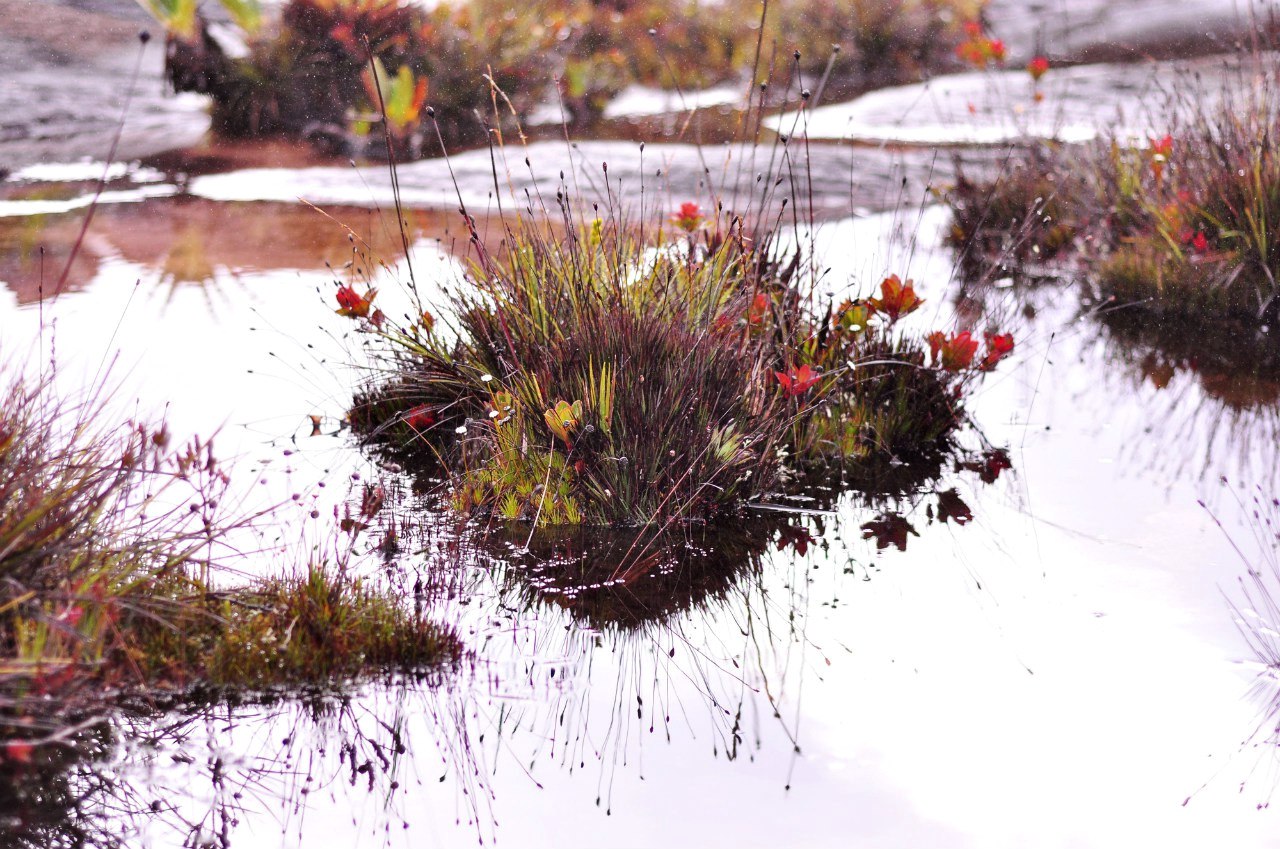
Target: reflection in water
55, 795
602, 640
681, 640
624, 620
205, 776
1256, 607
1202, 399
1237, 366
1195, 402
619, 583
1213, 390
191, 241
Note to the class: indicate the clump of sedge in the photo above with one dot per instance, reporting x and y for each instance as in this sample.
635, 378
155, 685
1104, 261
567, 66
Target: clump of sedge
598, 379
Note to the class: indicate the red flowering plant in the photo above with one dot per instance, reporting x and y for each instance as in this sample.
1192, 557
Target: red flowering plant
845, 329
957, 353
1159, 153
354, 305
1178, 224
798, 381
756, 317
896, 299
1160, 150
869, 386
1198, 241
1037, 68
979, 49
952, 353
689, 217
999, 346
420, 418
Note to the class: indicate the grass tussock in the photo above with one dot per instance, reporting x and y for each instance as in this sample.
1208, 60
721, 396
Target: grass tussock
1183, 223
846, 46
598, 378
1194, 215
1026, 215
110, 544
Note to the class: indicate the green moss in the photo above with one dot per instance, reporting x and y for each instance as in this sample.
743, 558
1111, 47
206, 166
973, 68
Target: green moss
318, 627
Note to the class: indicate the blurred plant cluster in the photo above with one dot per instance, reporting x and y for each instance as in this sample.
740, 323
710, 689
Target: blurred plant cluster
332, 71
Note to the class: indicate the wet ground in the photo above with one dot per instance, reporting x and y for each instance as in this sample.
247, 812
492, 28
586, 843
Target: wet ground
1072, 104
1101, 31
1041, 652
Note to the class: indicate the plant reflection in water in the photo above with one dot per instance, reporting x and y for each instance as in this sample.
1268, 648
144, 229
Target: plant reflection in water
199, 774
642, 616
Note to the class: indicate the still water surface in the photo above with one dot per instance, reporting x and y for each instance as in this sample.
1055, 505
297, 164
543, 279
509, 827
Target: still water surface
1052, 663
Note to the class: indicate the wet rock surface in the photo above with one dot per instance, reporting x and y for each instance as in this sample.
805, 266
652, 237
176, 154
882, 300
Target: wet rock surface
845, 179
1076, 103
67, 69
1103, 31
